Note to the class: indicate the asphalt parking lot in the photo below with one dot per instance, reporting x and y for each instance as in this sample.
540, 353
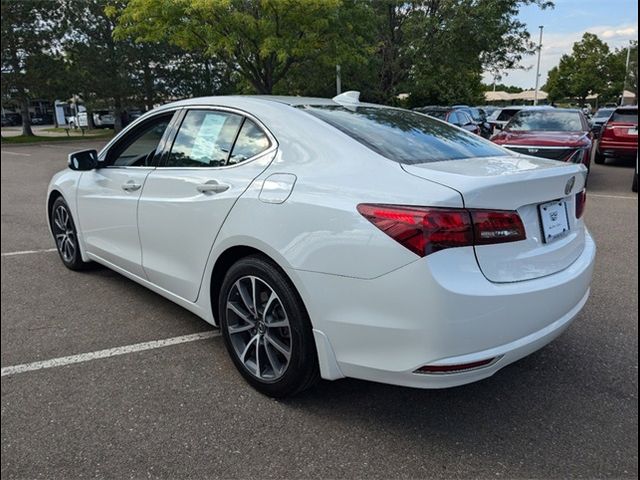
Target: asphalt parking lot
569, 410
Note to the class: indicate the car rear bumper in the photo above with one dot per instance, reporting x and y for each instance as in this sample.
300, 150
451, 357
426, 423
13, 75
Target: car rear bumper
439, 310
610, 148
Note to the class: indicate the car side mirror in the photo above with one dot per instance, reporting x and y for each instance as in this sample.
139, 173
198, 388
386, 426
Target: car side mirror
83, 160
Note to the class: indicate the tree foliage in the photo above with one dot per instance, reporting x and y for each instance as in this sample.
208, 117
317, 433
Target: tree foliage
591, 68
120, 54
31, 63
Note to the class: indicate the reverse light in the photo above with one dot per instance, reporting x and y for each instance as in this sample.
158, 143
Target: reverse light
426, 230
581, 201
497, 227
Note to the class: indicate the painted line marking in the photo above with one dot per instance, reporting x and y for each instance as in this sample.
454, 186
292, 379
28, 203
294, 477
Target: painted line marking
28, 252
110, 352
600, 195
15, 153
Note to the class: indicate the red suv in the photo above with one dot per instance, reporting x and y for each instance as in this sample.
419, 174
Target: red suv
619, 137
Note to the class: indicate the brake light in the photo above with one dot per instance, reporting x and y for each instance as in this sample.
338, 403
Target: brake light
581, 201
426, 230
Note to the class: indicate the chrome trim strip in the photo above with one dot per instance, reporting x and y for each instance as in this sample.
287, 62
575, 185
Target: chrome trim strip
540, 147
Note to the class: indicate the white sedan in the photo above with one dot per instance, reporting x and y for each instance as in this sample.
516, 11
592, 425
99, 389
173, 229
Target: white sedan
334, 238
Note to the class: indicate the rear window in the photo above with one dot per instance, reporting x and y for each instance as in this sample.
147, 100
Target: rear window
603, 113
441, 114
404, 136
625, 116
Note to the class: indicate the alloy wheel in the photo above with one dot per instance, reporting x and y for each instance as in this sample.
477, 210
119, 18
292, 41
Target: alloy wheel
64, 233
258, 328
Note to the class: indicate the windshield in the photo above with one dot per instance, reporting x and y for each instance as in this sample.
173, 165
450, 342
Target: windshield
545, 121
404, 136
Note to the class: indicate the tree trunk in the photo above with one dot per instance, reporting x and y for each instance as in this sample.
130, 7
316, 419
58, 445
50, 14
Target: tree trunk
117, 121
148, 87
26, 119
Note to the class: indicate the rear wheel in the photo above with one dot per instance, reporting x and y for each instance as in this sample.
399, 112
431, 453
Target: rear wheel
266, 328
66, 236
634, 185
598, 157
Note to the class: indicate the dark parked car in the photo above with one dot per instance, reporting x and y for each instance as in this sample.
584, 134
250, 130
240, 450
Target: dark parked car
479, 117
558, 134
42, 119
452, 115
599, 119
619, 137
11, 119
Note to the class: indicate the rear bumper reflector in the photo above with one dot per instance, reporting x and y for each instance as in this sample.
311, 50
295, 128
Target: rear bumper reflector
456, 368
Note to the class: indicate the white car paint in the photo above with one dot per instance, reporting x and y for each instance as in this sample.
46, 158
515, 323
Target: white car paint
379, 311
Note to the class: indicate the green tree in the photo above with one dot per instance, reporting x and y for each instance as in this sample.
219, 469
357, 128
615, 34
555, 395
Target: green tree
31, 65
501, 87
454, 41
583, 72
617, 66
262, 39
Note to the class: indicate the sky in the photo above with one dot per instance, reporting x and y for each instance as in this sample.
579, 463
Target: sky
614, 21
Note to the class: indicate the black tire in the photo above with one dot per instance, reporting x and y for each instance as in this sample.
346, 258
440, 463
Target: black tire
598, 158
634, 185
65, 235
301, 370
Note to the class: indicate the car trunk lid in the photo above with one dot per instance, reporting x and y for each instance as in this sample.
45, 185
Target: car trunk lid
522, 184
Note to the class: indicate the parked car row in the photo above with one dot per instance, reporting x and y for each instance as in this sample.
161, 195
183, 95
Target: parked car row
11, 119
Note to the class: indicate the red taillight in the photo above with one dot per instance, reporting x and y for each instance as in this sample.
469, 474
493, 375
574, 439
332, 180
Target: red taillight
425, 230
421, 230
581, 202
497, 227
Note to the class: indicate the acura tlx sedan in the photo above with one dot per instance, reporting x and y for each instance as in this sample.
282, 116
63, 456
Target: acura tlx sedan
334, 238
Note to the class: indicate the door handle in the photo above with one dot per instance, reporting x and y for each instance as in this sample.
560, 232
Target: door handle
212, 187
131, 186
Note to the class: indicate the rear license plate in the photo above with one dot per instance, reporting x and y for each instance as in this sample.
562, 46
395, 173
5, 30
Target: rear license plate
555, 221
632, 131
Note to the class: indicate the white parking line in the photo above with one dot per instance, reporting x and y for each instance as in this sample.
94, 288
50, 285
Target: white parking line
623, 197
15, 153
27, 252
110, 352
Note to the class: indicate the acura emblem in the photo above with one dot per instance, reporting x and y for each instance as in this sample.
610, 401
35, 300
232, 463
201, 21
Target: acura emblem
569, 186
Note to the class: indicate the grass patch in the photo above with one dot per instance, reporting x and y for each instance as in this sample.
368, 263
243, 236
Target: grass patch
74, 131
19, 140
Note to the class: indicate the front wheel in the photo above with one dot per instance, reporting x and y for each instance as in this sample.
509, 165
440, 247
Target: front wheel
266, 328
66, 236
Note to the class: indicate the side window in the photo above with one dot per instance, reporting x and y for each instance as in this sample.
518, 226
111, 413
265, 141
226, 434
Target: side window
251, 141
453, 118
205, 139
138, 148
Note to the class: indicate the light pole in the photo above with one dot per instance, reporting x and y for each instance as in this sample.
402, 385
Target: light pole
535, 93
338, 80
626, 73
